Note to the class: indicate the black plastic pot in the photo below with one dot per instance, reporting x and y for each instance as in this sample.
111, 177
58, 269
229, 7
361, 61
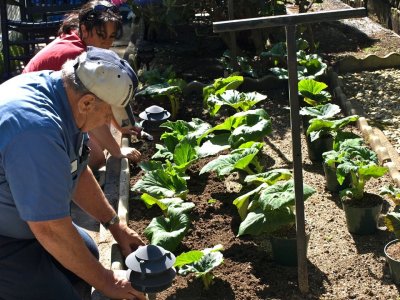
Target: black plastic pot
284, 250
394, 265
331, 181
319, 146
362, 220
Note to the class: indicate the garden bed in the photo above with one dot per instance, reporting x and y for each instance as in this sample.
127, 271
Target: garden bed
340, 265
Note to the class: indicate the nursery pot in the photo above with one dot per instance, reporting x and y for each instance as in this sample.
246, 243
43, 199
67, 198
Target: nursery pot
152, 117
331, 181
362, 220
150, 269
394, 264
319, 146
284, 250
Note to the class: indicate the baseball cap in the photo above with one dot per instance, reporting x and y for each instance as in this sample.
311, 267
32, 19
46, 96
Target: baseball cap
109, 77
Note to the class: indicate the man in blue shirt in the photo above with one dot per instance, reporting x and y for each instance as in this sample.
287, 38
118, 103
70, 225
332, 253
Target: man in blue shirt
44, 117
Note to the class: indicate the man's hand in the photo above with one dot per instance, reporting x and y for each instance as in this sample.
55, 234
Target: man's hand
128, 240
132, 130
131, 153
120, 288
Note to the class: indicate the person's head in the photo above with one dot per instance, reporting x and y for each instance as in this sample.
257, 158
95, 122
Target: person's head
98, 23
103, 84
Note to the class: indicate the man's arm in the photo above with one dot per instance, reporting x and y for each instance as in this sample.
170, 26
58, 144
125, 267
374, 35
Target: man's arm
61, 239
90, 198
106, 140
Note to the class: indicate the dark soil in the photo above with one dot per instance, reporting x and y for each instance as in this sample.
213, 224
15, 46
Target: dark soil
340, 265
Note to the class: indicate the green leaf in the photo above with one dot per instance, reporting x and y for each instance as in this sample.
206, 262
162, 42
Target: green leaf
282, 194
160, 183
238, 159
270, 177
253, 224
242, 202
238, 101
312, 91
220, 85
188, 258
392, 222
184, 154
325, 111
167, 232
214, 145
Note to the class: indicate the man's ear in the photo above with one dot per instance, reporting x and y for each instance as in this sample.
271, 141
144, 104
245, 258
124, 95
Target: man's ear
86, 103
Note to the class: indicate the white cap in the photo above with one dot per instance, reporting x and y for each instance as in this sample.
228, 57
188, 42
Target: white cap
109, 77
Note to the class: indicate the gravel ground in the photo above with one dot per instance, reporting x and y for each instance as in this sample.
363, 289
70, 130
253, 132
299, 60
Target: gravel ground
378, 93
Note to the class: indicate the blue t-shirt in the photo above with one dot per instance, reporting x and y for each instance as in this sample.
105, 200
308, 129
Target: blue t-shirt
40, 147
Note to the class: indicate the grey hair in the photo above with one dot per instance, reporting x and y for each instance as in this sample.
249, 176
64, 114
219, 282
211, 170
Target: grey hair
70, 78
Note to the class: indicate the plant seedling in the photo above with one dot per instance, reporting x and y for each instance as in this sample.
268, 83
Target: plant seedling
201, 263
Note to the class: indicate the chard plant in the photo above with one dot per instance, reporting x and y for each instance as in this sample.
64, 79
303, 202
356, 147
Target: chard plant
178, 130
169, 206
309, 66
236, 100
314, 92
238, 64
272, 209
262, 180
361, 164
322, 111
244, 158
392, 219
163, 182
324, 127
251, 125
221, 85
168, 232
201, 263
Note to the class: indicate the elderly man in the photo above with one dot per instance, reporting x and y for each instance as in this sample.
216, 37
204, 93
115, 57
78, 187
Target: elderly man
44, 120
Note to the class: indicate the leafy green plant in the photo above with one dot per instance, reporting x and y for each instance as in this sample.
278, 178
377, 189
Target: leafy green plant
262, 180
361, 164
309, 66
392, 219
323, 127
220, 85
168, 232
272, 209
313, 92
156, 76
236, 100
322, 111
169, 206
242, 158
240, 64
176, 131
201, 263
251, 125
164, 182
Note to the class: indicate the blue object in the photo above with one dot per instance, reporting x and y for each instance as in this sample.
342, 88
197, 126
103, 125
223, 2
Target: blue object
40, 149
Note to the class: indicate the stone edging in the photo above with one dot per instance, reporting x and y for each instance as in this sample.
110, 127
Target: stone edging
370, 62
387, 154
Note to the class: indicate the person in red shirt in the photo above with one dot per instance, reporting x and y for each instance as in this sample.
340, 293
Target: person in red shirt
97, 23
